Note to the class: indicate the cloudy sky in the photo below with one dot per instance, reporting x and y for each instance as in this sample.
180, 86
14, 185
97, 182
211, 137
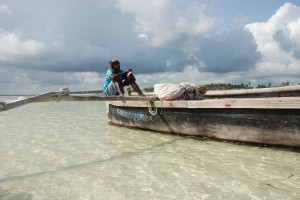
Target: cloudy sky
47, 45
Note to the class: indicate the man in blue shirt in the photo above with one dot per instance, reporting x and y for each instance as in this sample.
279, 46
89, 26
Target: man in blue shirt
116, 79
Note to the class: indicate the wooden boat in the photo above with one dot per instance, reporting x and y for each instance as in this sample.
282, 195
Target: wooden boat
269, 116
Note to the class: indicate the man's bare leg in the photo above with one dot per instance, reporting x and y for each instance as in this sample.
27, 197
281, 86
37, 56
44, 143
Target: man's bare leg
137, 88
119, 89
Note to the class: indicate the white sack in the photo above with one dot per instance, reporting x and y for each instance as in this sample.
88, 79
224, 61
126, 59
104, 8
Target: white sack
168, 91
183, 91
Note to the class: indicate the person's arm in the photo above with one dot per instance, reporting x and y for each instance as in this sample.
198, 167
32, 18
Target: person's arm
116, 77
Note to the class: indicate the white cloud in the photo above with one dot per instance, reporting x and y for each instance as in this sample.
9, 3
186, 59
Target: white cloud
163, 23
194, 21
278, 41
40, 82
4, 9
162, 40
86, 78
11, 47
143, 37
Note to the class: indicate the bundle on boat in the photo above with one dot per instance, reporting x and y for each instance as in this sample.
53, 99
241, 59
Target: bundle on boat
182, 91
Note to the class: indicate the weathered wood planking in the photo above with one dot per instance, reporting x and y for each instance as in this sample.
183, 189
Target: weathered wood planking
285, 91
264, 126
258, 103
39, 98
235, 99
104, 98
63, 96
263, 120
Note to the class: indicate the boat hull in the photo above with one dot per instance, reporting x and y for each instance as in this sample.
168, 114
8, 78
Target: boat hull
280, 127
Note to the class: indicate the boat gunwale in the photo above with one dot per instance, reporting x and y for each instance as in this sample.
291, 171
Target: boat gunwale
253, 103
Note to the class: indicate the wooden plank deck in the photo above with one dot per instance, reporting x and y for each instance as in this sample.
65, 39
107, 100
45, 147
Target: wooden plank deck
255, 103
285, 91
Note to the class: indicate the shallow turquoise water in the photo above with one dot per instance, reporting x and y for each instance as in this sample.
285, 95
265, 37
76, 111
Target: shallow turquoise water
66, 150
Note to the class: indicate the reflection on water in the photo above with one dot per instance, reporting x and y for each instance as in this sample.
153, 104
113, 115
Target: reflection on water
67, 150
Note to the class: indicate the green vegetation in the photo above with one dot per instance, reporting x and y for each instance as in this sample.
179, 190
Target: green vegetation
148, 89
229, 86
